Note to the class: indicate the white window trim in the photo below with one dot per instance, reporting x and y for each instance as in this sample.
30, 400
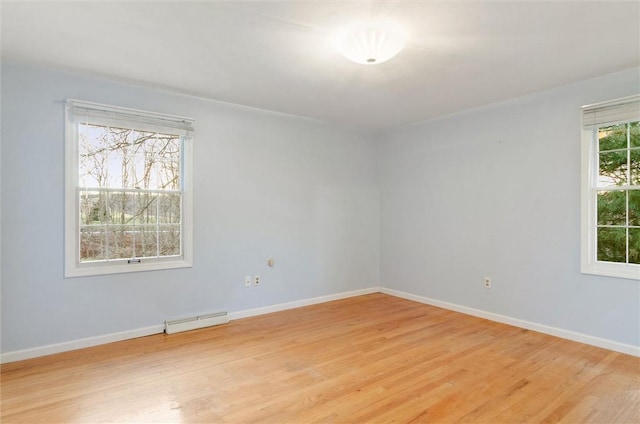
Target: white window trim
627, 109
73, 267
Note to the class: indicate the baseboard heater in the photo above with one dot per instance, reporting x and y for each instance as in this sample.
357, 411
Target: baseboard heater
192, 323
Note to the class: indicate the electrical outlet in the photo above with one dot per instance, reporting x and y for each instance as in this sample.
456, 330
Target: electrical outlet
247, 281
487, 282
256, 280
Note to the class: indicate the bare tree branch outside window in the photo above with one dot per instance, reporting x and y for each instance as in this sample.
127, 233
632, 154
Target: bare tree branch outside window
130, 197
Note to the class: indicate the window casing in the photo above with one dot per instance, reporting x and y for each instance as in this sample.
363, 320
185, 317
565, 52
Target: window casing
611, 188
128, 197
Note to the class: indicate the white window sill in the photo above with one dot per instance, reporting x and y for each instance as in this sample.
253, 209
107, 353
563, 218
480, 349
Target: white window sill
610, 269
119, 267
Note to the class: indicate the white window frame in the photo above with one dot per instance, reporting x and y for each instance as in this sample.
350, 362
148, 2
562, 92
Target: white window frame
594, 116
149, 121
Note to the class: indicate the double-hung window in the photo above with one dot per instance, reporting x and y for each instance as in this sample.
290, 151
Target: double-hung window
611, 188
128, 190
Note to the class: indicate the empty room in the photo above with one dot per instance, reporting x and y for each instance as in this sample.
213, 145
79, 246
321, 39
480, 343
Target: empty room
320, 211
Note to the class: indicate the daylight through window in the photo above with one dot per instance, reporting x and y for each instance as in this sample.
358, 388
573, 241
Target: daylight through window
612, 141
129, 184
618, 196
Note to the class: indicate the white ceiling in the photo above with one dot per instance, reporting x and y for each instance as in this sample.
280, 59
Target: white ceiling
279, 55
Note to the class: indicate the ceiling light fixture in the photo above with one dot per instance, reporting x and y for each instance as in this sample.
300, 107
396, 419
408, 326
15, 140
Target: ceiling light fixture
370, 44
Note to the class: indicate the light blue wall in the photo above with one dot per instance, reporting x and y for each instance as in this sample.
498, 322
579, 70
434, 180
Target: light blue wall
266, 185
428, 209
495, 192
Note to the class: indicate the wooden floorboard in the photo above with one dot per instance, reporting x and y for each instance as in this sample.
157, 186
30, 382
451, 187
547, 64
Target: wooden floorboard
373, 359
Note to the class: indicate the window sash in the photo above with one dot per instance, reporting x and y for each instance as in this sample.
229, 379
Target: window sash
80, 112
594, 117
137, 226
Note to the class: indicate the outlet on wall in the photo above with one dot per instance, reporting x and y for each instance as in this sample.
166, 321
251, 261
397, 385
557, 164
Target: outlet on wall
247, 281
487, 282
256, 280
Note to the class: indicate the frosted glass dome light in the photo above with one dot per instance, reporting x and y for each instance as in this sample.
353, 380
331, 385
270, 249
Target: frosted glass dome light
370, 44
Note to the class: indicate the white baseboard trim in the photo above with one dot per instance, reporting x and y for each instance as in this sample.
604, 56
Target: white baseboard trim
35, 352
300, 303
541, 328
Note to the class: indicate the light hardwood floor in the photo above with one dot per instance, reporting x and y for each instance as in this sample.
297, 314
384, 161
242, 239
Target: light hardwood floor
373, 358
